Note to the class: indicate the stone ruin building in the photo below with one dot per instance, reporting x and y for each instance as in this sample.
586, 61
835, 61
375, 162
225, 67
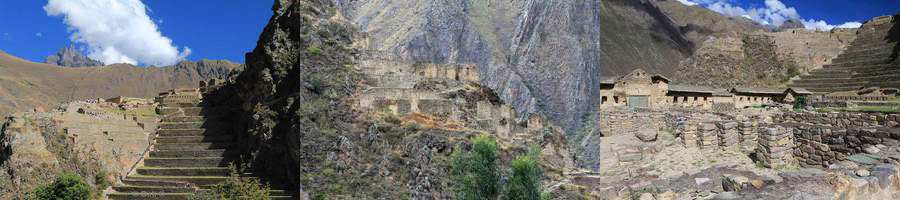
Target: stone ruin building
639, 89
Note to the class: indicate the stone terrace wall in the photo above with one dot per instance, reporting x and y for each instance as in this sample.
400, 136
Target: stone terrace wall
841, 120
825, 138
823, 145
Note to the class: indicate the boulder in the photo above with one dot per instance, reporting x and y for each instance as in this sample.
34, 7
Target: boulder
863, 173
647, 196
647, 135
871, 150
735, 183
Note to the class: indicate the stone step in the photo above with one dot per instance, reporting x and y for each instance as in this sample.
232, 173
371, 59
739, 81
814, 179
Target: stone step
196, 180
856, 63
877, 45
864, 68
187, 171
179, 103
868, 50
874, 54
153, 189
814, 80
188, 154
186, 162
843, 58
192, 139
828, 89
183, 119
190, 146
184, 132
188, 125
183, 111
828, 73
847, 84
154, 183
150, 196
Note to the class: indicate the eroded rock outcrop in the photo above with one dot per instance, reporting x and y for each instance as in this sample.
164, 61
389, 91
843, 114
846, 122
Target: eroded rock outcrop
93, 140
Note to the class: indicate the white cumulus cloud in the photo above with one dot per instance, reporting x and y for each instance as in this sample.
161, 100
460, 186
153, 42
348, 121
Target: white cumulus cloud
775, 13
687, 2
117, 31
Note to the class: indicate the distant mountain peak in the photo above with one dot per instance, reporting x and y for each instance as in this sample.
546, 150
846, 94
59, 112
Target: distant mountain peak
71, 57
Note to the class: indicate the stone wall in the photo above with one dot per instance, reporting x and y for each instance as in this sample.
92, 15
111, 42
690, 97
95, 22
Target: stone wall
841, 120
776, 146
726, 134
824, 145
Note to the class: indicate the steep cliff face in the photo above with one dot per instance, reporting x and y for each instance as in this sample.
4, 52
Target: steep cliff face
540, 55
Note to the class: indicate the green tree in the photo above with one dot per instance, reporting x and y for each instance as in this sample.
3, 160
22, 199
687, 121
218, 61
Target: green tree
525, 181
66, 187
476, 174
235, 188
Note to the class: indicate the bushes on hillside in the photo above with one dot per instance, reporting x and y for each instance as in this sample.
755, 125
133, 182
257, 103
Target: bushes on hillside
476, 173
66, 187
235, 188
477, 176
525, 181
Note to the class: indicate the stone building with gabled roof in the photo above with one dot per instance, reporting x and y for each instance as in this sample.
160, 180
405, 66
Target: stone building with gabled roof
638, 89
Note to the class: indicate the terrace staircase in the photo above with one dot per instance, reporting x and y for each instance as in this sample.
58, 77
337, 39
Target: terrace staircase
189, 154
869, 61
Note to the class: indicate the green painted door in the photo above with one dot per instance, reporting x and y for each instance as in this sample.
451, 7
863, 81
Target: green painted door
639, 101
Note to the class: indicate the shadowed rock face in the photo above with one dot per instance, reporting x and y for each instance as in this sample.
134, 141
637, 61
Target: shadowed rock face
71, 57
540, 55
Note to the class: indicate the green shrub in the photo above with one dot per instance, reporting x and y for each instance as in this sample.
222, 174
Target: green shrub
525, 181
236, 188
476, 174
314, 50
66, 187
800, 102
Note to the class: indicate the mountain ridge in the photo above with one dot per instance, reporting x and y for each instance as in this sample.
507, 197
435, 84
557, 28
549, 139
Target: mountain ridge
25, 84
70, 56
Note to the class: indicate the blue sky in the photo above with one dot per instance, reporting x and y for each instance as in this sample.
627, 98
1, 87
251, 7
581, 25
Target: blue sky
212, 29
217, 29
815, 14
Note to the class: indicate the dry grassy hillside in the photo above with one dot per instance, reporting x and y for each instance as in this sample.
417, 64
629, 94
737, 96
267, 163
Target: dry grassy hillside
25, 85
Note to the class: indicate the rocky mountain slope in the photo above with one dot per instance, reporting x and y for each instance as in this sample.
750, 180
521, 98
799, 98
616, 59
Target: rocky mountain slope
25, 85
71, 57
761, 59
538, 54
698, 23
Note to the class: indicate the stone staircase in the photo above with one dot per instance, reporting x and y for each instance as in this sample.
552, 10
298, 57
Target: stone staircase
188, 155
869, 61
